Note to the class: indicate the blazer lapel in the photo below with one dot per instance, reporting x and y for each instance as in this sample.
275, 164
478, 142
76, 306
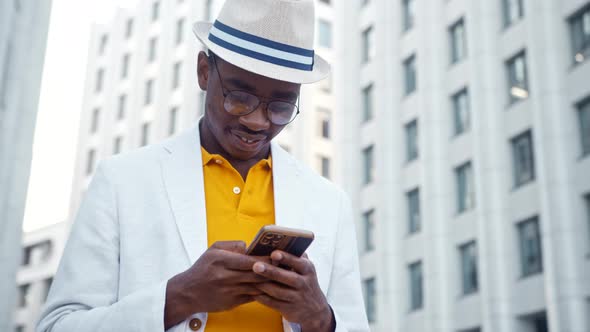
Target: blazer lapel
182, 171
288, 192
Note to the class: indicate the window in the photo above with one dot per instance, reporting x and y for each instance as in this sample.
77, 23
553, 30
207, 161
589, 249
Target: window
6, 74
152, 49
179, 31
580, 34
530, 247
203, 101
367, 103
458, 41
172, 121
37, 253
176, 75
513, 11
23, 295
584, 118
325, 166
408, 12
145, 134
468, 255
368, 167
413, 203
19, 328
99, 79
95, 120
121, 107
475, 329
416, 294
149, 86
17, 5
461, 112
369, 226
324, 117
518, 88
26, 260
155, 10
523, 159
46, 287
90, 161
368, 41
103, 44
465, 187
325, 34
365, 2
125, 66
412, 141
410, 74
325, 1
117, 145
129, 28
369, 292
587, 203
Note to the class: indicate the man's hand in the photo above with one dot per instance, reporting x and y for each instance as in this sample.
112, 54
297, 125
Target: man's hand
296, 294
220, 279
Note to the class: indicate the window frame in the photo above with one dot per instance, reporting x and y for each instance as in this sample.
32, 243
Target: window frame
410, 75
517, 143
512, 79
458, 54
468, 256
526, 270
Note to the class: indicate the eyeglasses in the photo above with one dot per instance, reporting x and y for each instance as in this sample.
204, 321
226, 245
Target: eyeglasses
240, 103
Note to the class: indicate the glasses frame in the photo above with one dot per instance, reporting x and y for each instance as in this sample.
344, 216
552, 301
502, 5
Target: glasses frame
226, 92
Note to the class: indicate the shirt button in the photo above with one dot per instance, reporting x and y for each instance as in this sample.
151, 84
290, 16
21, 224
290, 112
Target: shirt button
237, 190
218, 161
195, 324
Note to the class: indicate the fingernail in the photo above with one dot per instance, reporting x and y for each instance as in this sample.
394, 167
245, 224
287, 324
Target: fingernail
277, 255
259, 268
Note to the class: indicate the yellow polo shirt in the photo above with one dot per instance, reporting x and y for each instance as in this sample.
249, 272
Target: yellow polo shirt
235, 211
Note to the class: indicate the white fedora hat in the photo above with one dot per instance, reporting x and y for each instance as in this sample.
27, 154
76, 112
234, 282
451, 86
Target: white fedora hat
273, 38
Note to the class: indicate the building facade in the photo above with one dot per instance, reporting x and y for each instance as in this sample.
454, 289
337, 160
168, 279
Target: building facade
464, 142
42, 250
23, 37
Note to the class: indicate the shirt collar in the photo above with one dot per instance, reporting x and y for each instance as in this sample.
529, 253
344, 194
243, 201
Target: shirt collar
208, 158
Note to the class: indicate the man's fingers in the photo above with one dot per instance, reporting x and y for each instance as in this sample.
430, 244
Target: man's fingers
277, 291
240, 262
278, 274
270, 302
300, 265
233, 246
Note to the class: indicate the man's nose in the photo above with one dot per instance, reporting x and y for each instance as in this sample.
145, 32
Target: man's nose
257, 120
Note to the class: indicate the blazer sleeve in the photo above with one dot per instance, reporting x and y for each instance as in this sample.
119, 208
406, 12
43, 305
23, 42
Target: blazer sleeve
344, 293
84, 294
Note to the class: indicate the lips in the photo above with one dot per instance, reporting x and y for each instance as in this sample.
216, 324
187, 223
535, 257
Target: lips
248, 142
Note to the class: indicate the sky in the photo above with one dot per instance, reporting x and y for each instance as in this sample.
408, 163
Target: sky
56, 132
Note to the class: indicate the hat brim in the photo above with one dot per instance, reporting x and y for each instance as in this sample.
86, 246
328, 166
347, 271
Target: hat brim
321, 68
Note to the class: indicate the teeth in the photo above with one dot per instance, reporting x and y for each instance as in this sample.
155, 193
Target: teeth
249, 141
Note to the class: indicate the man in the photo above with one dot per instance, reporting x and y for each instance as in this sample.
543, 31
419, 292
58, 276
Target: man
159, 242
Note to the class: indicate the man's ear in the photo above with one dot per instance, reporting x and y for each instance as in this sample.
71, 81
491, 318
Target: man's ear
203, 70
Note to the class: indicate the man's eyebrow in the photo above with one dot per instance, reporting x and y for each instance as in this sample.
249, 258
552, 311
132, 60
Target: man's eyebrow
284, 95
241, 85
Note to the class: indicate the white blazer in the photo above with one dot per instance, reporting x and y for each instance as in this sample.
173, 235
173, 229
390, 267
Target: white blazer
143, 221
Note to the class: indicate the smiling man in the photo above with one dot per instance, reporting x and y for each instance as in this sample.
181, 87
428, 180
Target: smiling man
160, 239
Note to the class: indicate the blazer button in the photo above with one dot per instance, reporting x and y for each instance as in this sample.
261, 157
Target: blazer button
195, 324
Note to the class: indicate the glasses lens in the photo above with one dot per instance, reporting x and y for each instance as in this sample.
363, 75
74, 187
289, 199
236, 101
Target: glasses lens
281, 112
240, 103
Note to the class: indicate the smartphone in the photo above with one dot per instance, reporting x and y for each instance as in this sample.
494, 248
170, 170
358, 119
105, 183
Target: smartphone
272, 237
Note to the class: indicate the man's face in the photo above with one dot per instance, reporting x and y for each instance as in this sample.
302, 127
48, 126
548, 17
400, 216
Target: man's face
248, 136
